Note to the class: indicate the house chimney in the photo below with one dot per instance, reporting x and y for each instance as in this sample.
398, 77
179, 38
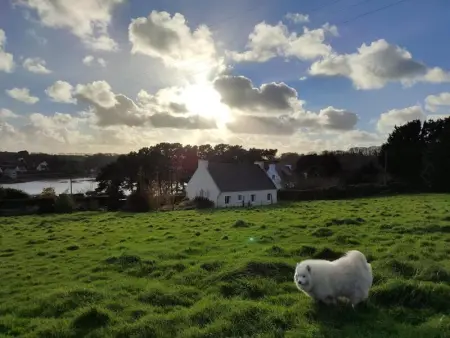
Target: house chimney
202, 164
261, 164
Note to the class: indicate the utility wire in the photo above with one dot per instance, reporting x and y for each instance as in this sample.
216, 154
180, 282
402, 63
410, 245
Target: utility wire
338, 23
324, 6
372, 12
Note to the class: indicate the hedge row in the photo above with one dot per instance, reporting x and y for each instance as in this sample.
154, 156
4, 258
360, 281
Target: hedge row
38, 201
347, 192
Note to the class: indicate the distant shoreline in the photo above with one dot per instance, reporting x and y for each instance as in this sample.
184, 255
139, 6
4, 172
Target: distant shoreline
44, 178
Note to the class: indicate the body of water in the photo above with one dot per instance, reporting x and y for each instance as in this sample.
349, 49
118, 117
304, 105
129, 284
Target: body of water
79, 185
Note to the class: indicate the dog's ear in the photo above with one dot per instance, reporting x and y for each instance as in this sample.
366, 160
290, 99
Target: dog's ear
308, 268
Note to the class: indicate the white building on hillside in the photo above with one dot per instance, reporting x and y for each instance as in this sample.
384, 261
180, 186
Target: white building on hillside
232, 184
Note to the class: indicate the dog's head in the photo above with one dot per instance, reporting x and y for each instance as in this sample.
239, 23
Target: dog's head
302, 277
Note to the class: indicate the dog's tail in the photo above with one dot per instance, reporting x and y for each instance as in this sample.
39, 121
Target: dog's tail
360, 258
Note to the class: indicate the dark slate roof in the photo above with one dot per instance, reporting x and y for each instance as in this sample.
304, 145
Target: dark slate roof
231, 177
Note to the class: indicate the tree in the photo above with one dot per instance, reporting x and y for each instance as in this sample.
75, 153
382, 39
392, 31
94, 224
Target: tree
403, 152
436, 156
323, 165
418, 154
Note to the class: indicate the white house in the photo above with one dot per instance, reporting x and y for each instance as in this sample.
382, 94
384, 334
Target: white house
43, 166
280, 174
232, 184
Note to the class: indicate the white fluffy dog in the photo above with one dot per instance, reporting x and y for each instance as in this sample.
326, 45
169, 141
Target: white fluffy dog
348, 277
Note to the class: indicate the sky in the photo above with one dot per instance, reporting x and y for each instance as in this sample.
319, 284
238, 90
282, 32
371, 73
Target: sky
296, 75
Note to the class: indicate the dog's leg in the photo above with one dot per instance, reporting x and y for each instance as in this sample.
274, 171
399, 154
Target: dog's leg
330, 300
355, 300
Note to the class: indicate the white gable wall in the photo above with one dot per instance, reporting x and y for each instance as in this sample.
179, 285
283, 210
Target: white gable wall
261, 198
274, 176
202, 184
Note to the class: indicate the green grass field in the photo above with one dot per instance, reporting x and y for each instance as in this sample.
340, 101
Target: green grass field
225, 273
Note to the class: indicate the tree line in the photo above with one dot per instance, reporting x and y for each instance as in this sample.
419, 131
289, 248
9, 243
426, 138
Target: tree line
416, 153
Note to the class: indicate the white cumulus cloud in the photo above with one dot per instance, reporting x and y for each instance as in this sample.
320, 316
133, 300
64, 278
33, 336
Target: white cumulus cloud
88, 19
7, 114
267, 42
36, 65
61, 91
90, 60
23, 95
375, 65
6, 59
434, 102
398, 117
168, 38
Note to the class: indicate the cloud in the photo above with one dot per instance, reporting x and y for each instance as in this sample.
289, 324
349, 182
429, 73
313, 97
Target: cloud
165, 120
267, 41
6, 59
297, 17
437, 116
374, 65
169, 39
23, 95
7, 114
434, 102
108, 108
328, 119
98, 93
398, 117
266, 125
36, 65
101, 62
88, 20
436, 75
90, 60
61, 91
338, 119
238, 92
123, 112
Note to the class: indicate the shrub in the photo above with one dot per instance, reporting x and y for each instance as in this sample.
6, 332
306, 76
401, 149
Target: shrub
139, 201
203, 203
92, 204
47, 201
10, 193
64, 203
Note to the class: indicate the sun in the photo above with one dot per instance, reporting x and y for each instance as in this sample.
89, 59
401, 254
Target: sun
205, 101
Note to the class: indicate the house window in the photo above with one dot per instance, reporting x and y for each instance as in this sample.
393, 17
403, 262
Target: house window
253, 198
269, 197
273, 177
227, 199
240, 197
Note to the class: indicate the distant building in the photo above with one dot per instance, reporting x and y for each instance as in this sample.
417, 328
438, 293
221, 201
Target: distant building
9, 171
43, 166
232, 184
281, 175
